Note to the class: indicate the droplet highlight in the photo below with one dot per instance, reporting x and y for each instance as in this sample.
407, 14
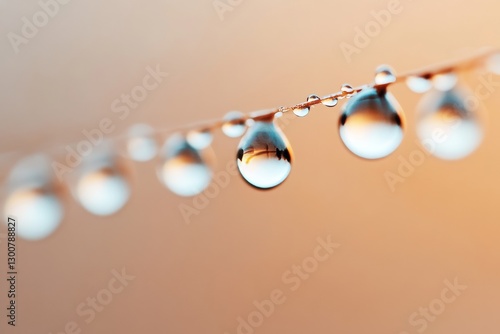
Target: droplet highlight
384, 75
234, 124
371, 124
444, 81
418, 84
264, 155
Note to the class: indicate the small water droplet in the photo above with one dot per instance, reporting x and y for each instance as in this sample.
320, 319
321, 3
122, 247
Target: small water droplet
301, 111
371, 124
493, 63
418, 84
200, 139
384, 75
102, 189
313, 97
141, 146
183, 169
446, 125
264, 155
444, 81
347, 90
234, 124
330, 102
38, 211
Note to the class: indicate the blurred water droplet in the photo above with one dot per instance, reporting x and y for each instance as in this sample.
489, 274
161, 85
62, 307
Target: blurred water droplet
234, 124
200, 139
301, 112
418, 84
141, 145
347, 90
384, 75
330, 102
444, 81
493, 63
264, 155
38, 212
371, 125
102, 190
183, 169
446, 126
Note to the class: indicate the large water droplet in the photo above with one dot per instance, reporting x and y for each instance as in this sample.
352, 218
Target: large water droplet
141, 146
234, 124
102, 190
200, 139
301, 111
446, 126
38, 212
384, 75
371, 125
418, 84
330, 102
183, 169
264, 155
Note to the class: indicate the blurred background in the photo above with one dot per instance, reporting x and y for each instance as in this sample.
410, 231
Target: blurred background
400, 247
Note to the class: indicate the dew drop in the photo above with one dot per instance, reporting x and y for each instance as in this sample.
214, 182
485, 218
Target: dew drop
384, 75
234, 124
330, 102
347, 90
313, 97
371, 124
200, 139
141, 146
493, 63
447, 127
183, 169
418, 84
301, 111
264, 155
444, 81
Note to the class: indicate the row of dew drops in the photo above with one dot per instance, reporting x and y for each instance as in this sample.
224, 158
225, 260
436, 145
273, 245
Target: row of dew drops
371, 126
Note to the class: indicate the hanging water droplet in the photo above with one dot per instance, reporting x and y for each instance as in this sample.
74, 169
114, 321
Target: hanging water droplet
493, 63
418, 84
183, 169
313, 97
330, 102
200, 139
141, 146
347, 90
447, 126
234, 124
38, 211
444, 81
102, 189
301, 111
264, 155
384, 75
371, 125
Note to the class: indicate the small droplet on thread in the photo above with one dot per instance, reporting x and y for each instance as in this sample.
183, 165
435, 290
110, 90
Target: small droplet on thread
444, 81
301, 111
384, 75
493, 63
347, 90
234, 124
141, 146
312, 98
418, 84
330, 102
200, 139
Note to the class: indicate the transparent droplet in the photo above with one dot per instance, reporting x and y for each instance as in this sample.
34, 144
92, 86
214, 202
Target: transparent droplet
141, 146
446, 126
444, 81
384, 75
264, 155
330, 102
493, 63
371, 125
301, 112
183, 169
234, 124
102, 190
38, 212
200, 139
313, 97
418, 84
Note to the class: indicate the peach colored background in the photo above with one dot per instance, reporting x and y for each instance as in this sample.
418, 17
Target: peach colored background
396, 247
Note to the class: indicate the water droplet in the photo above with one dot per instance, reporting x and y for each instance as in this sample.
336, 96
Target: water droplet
200, 139
102, 190
301, 111
418, 84
264, 155
493, 63
371, 125
183, 169
444, 81
313, 97
38, 211
384, 75
234, 124
447, 127
330, 102
141, 146
347, 90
